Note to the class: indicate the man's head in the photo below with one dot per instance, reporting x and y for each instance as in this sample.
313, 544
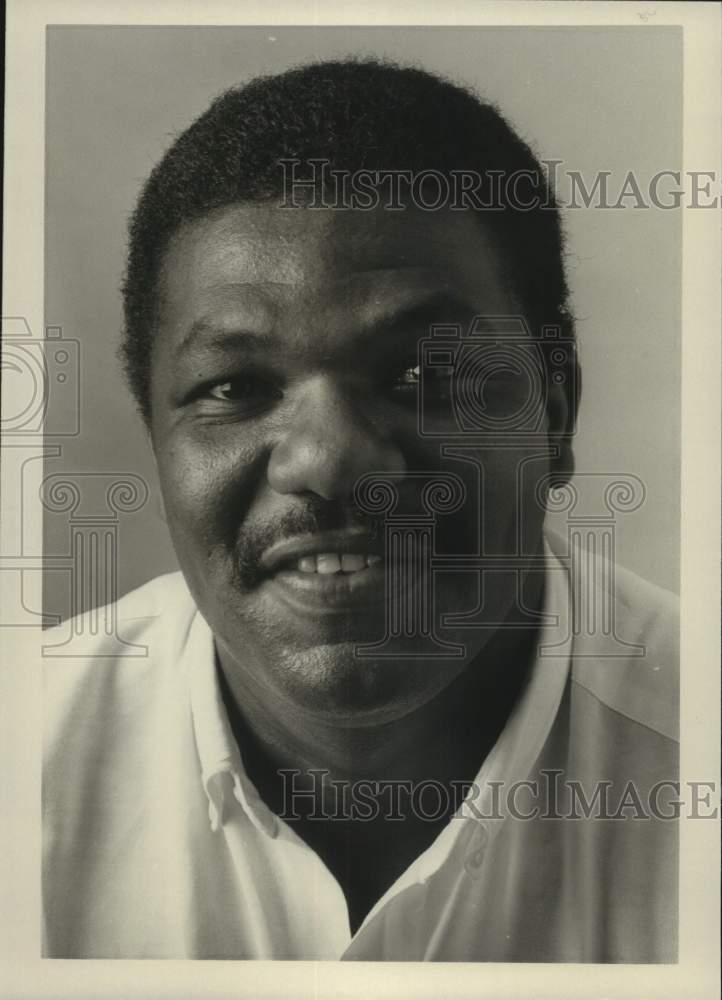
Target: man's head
356, 115
273, 353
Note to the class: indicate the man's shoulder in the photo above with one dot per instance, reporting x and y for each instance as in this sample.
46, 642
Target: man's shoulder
163, 595
115, 656
160, 603
625, 644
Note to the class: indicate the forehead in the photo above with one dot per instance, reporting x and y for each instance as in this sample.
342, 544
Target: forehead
262, 259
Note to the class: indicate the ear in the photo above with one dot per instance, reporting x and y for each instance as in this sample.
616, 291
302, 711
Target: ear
157, 492
562, 408
161, 507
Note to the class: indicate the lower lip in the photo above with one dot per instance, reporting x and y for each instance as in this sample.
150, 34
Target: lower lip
331, 593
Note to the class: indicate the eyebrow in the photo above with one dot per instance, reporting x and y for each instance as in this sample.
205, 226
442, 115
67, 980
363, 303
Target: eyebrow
438, 307
216, 336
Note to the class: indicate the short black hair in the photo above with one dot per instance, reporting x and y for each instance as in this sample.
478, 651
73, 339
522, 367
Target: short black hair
356, 114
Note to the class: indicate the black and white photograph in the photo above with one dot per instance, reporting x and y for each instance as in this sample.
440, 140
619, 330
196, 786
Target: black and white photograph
361, 500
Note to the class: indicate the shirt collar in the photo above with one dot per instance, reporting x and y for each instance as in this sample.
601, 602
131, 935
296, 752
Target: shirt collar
511, 758
222, 771
513, 755
519, 744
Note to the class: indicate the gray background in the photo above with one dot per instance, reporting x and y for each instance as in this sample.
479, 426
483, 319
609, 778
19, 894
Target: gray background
597, 98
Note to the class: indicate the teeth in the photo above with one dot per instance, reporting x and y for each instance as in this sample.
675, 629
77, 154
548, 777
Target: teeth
350, 563
328, 563
331, 562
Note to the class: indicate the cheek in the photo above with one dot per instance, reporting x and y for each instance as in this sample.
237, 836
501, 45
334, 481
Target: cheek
206, 490
511, 486
501, 503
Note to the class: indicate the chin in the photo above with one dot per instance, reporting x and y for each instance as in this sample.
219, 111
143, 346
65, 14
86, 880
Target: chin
331, 681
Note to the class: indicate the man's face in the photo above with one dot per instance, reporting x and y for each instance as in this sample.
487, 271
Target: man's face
284, 368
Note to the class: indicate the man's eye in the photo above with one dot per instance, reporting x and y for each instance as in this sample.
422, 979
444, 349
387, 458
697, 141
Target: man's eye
244, 393
409, 376
234, 389
436, 379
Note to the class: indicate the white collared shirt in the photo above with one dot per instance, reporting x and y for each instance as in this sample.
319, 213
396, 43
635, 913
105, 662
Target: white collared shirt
157, 845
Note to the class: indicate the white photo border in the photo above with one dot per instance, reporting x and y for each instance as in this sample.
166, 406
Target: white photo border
22, 972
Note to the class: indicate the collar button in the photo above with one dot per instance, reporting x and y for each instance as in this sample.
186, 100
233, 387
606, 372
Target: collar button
474, 859
473, 862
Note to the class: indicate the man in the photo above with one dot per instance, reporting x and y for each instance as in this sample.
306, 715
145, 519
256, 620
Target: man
359, 690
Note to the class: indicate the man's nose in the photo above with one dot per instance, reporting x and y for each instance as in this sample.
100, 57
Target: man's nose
330, 443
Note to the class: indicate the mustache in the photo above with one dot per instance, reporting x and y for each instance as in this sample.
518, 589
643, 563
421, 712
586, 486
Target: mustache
316, 516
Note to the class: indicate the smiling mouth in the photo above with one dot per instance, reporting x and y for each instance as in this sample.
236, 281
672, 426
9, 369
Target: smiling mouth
332, 573
331, 563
